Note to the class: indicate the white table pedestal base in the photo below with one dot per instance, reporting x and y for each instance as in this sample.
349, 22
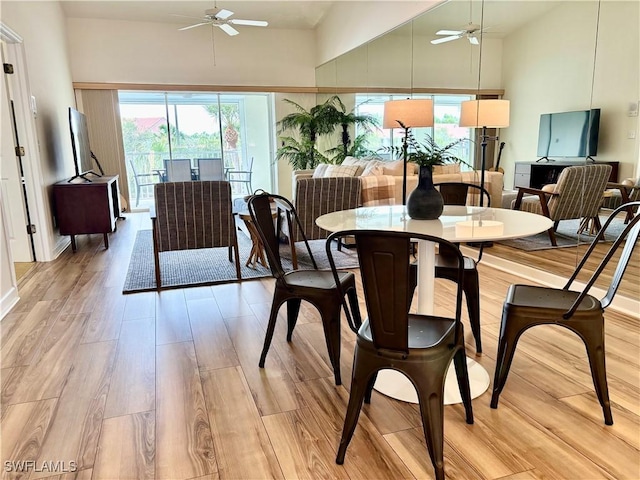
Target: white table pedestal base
395, 385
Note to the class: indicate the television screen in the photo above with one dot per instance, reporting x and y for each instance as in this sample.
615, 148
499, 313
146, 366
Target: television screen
79, 141
569, 134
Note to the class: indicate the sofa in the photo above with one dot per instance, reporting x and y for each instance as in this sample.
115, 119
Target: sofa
382, 180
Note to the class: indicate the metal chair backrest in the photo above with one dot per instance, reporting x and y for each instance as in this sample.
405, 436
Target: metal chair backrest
178, 169
384, 258
458, 193
210, 169
629, 236
259, 206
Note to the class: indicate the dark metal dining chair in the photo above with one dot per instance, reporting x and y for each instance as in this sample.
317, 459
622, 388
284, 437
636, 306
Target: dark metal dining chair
457, 193
420, 346
527, 306
319, 287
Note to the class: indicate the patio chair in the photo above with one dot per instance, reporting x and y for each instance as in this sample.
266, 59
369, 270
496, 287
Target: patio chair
178, 170
527, 306
242, 176
143, 180
578, 194
319, 287
420, 346
210, 169
193, 215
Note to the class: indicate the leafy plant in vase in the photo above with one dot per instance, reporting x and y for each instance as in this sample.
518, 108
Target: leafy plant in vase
425, 202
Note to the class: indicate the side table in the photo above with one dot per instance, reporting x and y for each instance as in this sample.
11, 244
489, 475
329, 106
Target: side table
257, 248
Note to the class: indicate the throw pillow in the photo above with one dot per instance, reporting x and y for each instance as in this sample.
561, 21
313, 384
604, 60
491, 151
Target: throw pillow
341, 171
320, 170
446, 169
373, 168
361, 163
394, 168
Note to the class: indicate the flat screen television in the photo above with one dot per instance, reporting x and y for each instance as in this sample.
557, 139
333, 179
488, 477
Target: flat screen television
82, 154
569, 134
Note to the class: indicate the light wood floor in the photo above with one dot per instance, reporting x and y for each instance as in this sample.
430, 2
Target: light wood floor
167, 386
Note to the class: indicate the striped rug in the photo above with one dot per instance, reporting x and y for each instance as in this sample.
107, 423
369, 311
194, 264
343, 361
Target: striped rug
210, 266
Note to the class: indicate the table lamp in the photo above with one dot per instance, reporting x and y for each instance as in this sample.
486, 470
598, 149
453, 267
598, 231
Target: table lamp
484, 114
407, 114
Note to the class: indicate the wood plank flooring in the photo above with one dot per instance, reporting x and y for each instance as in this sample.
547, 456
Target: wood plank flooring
167, 386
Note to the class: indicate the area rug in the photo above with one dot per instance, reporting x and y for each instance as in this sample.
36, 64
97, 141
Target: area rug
566, 236
209, 266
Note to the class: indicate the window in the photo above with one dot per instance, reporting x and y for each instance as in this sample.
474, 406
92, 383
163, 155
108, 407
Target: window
159, 126
446, 112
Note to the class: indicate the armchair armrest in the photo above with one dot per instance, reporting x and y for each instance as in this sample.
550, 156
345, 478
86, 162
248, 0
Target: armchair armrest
542, 195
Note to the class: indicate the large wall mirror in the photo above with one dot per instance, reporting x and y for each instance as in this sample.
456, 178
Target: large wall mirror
543, 56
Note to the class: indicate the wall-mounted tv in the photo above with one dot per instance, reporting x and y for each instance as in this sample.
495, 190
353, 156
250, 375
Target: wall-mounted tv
569, 134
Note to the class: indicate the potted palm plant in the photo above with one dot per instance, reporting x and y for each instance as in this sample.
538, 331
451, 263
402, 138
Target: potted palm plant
425, 202
319, 120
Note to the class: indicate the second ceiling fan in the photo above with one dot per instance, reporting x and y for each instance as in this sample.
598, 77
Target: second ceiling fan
469, 31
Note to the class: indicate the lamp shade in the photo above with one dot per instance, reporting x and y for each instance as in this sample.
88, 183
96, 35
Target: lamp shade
411, 112
484, 113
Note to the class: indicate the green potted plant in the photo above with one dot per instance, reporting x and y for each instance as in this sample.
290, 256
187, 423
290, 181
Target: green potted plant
319, 120
425, 202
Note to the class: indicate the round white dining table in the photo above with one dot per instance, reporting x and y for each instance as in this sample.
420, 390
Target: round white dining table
456, 224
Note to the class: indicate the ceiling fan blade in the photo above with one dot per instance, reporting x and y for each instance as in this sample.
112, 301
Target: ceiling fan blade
445, 39
228, 29
224, 14
251, 23
193, 26
473, 40
449, 32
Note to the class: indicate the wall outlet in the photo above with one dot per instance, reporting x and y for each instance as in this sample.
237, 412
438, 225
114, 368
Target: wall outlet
633, 109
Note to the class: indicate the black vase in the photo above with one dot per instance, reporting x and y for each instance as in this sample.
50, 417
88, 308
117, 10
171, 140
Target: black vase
425, 202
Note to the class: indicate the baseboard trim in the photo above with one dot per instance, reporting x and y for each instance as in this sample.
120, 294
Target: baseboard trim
61, 246
8, 301
624, 305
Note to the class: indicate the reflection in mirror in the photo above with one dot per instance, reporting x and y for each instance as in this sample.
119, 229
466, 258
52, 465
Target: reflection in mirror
546, 56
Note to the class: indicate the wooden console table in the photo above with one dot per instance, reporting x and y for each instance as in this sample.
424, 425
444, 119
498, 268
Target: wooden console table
86, 207
537, 174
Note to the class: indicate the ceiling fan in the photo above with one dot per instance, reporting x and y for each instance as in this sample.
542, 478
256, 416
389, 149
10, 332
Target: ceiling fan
470, 32
220, 18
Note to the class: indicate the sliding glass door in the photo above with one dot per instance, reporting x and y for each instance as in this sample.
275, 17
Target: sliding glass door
160, 127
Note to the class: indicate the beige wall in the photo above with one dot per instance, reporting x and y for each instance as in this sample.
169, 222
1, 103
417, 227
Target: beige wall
350, 24
145, 52
42, 26
552, 73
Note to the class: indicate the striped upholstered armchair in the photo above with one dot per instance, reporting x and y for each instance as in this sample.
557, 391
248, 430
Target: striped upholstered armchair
193, 215
316, 196
578, 194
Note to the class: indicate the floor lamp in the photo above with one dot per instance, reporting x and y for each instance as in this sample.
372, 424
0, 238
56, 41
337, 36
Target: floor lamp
484, 114
407, 114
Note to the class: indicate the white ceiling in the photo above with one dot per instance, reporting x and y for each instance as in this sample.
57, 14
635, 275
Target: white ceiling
501, 16
293, 14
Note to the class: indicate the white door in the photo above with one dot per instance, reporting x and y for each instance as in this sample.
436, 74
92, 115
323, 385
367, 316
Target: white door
11, 179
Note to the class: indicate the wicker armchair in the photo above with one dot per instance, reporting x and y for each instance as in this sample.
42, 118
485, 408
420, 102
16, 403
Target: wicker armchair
578, 194
316, 196
192, 215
